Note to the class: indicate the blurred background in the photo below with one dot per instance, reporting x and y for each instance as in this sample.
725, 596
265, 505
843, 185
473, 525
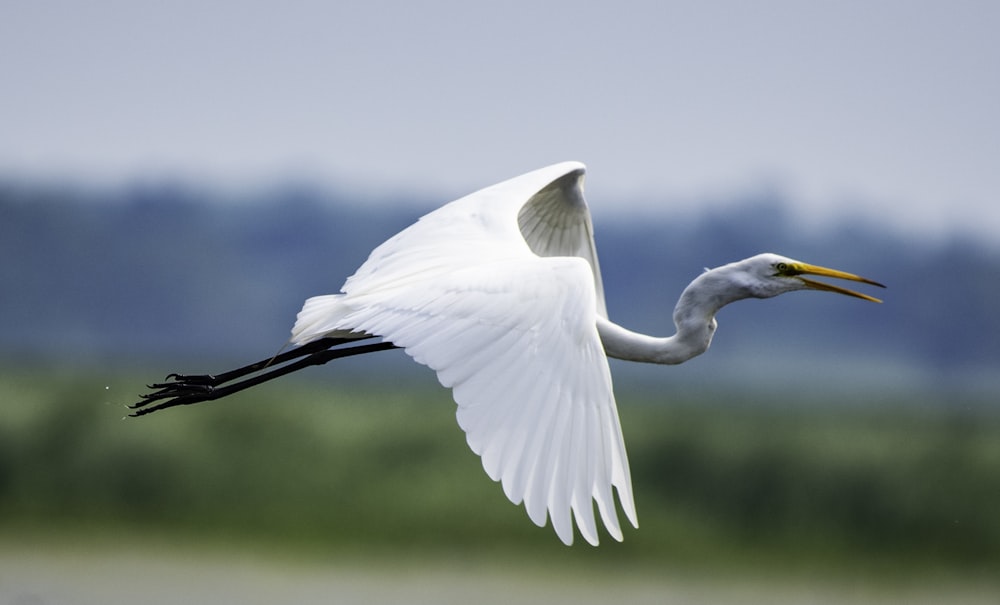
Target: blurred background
175, 179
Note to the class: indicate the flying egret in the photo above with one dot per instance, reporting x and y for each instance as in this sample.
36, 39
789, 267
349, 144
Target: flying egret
500, 293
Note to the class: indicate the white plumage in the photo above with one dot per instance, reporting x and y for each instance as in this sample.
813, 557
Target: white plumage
498, 292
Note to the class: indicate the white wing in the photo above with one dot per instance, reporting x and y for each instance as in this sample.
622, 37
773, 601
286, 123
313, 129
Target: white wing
508, 321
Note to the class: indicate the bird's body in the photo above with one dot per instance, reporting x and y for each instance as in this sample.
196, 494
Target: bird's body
500, 293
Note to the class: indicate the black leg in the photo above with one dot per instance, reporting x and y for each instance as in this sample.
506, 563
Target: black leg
191, 389
217, 379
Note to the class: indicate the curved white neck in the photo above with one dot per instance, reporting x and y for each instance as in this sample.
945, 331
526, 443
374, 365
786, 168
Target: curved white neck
694, 317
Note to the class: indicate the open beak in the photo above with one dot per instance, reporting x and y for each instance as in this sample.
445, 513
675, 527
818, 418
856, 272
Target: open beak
800, 269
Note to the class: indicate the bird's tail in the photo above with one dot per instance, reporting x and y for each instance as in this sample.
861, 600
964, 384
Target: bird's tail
320, 318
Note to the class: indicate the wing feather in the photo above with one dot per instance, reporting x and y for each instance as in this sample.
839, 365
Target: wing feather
520, 379
499, 293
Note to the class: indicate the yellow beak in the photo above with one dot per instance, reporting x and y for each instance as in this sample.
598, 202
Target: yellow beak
799, 269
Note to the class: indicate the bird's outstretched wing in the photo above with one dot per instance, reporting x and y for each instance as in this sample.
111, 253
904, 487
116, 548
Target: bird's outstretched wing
531, 380
497, 293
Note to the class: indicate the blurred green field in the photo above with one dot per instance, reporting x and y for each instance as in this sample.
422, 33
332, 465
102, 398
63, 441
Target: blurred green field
886, 488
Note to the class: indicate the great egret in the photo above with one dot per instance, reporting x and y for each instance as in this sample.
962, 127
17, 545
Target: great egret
500, 293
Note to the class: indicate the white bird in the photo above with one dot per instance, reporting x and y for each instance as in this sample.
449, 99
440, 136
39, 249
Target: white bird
500, 293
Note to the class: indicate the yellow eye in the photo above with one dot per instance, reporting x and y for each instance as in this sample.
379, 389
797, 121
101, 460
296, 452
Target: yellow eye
781, 267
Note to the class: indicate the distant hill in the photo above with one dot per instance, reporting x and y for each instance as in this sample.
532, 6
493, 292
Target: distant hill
168, 272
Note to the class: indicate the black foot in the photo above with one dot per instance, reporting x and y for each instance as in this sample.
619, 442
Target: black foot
179, 385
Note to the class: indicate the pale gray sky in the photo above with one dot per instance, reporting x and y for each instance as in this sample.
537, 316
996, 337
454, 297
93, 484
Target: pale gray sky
891, 108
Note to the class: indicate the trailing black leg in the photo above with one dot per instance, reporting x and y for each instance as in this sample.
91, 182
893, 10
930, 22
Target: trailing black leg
216, 379
181, 389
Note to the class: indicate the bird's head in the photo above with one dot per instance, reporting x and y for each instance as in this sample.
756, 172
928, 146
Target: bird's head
771, 274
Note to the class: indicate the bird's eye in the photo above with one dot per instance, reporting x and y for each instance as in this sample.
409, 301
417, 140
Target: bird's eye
781, 267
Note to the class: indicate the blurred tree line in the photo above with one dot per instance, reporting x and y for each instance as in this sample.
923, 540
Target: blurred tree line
170, 270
